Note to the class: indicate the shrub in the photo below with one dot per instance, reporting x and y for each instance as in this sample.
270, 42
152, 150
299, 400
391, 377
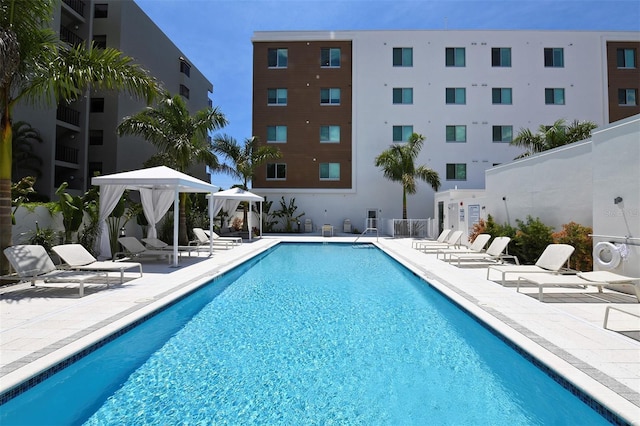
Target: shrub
577, 236
492, 228
236, 223
530, 240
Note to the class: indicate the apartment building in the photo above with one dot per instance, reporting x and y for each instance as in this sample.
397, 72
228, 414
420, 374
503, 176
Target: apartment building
79, 138
333, 101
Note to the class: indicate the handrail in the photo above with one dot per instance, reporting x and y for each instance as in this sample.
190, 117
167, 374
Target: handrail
365, 231
615, 236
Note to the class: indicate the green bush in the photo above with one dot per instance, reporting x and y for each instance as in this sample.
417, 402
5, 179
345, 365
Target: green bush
530, 240
577, 236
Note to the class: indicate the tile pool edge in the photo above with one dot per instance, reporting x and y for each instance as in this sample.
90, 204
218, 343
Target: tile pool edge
23, 378
538, 350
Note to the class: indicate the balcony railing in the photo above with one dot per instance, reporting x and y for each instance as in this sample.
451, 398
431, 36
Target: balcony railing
77, 5
68, 115
67, 154
70, 37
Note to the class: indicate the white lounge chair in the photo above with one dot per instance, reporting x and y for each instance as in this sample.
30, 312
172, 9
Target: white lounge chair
477, 246
216, 237
76, 257
552, 260
441, 239
582, 279
494, 254
134, 248
32, 263
157, 244
203, 240
452, 241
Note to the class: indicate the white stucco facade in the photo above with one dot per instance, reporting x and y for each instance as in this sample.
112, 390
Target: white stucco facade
583, 78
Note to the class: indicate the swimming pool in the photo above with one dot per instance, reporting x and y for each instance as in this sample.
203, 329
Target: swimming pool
290, 338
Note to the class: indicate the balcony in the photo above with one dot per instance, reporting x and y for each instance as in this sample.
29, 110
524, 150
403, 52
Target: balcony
68, 115
67, 154
70, 37
77, 5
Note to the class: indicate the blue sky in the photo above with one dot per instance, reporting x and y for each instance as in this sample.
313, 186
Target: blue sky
216, 34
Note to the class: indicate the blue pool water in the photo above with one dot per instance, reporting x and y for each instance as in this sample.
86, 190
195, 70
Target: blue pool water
307, 334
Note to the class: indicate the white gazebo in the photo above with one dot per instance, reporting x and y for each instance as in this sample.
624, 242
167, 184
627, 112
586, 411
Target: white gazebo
158, 187
230, 199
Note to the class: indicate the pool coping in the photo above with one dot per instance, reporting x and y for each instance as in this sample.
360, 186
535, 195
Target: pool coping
588, 379
585, 378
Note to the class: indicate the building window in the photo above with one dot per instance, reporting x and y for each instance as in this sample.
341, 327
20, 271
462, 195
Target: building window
185, 68
627, 97
276, 96
403, 95
456, 171
278, 58
554, 96
626, 58
502, 133
501, 96
330, 96
276, 171
100, 41
454, 57
330, 57
554, 57
100, 10
97, 105
276, 134
184, 91
329, 171
402, 56
96, 137
456, 95
500, 56
402, 133
456, 133
329, 134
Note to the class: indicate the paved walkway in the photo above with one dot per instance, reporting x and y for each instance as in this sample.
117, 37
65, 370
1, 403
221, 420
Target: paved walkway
44, 325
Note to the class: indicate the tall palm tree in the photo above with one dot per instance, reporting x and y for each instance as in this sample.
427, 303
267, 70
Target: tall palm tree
24, 154
398, 165
549, 137
182, 139
244, 160
36, 66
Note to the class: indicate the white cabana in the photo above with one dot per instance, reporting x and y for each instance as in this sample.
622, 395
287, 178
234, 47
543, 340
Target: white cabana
230, 199
158, 187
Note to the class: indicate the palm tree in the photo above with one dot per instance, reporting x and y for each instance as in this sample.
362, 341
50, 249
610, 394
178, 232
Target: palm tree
398, 164
182, 139
36, 66
23, 151
244, 159
549, 137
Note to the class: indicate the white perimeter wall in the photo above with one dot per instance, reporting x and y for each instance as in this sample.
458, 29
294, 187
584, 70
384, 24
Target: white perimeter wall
555, 186
616, 173
578, 183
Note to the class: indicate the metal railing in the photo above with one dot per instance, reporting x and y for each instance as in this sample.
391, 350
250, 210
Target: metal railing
68, 115
77, 5
70, 37
412, 228
67, 154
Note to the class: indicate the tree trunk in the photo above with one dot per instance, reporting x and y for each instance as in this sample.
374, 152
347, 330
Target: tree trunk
404, 203
5, 188
183, 237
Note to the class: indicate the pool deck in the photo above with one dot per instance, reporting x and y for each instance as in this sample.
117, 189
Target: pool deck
43, 325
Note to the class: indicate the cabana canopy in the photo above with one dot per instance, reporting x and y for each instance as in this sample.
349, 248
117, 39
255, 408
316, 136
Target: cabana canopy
230, 199
158, 187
